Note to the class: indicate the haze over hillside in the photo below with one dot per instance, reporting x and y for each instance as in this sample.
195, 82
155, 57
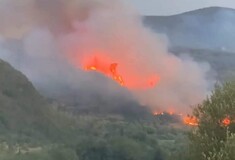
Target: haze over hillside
107, 87
56, 80
30, 128
208, 28
57, 53
24, 113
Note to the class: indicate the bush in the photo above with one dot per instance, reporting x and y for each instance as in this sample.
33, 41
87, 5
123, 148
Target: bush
211, 137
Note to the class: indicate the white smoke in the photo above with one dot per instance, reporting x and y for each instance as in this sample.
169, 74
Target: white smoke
53, 34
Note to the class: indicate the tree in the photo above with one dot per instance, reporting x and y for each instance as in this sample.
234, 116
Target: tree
216, 117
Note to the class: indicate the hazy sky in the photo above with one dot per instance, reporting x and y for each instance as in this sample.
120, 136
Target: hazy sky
166, 7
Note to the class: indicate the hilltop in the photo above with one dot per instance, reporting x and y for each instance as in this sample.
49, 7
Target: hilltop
207, 28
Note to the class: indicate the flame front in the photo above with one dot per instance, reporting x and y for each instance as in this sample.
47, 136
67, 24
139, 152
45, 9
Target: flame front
111, 72
191, 121
109, 68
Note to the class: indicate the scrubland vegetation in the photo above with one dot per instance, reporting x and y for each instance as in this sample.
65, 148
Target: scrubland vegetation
31, 128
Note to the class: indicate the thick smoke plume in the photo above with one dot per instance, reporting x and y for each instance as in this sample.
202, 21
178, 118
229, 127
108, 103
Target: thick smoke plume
50, 40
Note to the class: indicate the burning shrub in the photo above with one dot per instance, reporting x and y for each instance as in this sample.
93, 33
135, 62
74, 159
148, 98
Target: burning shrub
215, 117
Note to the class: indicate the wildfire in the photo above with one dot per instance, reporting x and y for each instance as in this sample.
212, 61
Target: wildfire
109, 68
158, 113
137, 80
112, 72
226, 121
193, 121
162, 113
187, 120
190, 120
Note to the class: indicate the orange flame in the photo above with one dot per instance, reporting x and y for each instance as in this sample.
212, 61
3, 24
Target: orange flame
190, 120
162, 113
226, 121
193, 121
158, 113
112, 72
107, 67
187, 120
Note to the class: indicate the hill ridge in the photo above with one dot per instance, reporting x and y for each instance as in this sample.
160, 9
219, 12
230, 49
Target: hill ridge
207, 28
213, 8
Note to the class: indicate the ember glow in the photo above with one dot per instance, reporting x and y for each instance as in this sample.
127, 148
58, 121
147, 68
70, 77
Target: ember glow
190, 120
109, 68
158, 113
187, 120
162, 113
193, 121
226, 121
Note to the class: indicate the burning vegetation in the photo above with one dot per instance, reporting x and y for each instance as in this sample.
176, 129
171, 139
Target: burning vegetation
109, 70
61, 40
128, 79
190, 120
80, 36
226, 121
187, 120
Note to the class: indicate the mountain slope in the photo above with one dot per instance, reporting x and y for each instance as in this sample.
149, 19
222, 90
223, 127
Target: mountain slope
208, 28
17, 96
24, 113
31, 129
221, 62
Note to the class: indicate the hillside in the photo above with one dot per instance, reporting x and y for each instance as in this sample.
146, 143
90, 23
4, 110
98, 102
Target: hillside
31, 128
208, 28
17, 98
24, 113
221, 62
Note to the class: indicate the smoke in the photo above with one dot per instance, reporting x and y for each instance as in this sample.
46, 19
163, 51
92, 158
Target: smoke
49, 41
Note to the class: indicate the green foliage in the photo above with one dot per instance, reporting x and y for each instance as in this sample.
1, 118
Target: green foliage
210, 139
107, 138
31, 128
62, 153
117, 138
